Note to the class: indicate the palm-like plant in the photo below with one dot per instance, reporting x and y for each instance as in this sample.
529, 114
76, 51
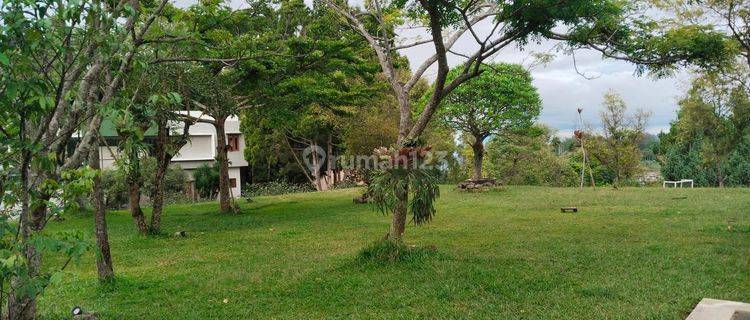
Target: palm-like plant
405, 178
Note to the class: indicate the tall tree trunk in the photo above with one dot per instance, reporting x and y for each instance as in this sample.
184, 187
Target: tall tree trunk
166, 148
162, 164
222, 158
719, 175
157, 198
134, 202
104, 265
330, 175
478, 148
134, 193
398, 218
398, 221
316, 167
20, 305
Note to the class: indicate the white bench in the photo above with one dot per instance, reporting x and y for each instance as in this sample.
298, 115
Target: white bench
681, 183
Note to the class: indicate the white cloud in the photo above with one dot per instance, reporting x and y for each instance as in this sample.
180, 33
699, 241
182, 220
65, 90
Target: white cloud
563, 89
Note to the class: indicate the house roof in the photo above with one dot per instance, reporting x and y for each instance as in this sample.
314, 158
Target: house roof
108, 130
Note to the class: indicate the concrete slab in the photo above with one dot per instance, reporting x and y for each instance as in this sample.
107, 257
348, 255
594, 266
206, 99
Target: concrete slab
712, 309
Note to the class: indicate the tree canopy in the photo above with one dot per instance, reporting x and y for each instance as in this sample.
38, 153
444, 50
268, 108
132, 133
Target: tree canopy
499, 101
502, 99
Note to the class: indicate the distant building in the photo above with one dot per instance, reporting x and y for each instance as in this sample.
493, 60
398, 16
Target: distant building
200, 149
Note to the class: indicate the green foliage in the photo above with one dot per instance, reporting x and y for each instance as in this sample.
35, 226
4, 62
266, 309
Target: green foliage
274, 188
603, 175
442, 139
116, 188
707, 141
528, 159
684, 160
387, 186
619, 29
500, 100
71, 245
617, 149
316, 80
698, 25
206, 179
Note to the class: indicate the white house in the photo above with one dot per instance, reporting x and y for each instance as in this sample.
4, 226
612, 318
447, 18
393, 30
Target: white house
199, 150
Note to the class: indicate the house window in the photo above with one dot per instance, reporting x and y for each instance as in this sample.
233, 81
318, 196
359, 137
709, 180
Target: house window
233, 182
233, 142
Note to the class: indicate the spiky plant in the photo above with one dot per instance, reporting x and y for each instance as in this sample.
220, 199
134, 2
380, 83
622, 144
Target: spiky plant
420, 184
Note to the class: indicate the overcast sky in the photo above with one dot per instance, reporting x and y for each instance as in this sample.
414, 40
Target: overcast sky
562, 89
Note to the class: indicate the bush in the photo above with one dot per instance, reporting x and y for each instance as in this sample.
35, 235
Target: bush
274, 188
345, 185
529, 160
206, 179
116, 188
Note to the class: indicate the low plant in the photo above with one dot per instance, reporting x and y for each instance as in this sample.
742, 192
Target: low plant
206, 179
385, 252
274, 188
116, 188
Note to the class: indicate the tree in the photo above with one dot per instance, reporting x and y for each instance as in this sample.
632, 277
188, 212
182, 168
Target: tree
145, 128
315, 94
294, 71
716, 111
604, 25
529, 158
499, 101
170, 138
216, 105
62, 63
727, 18
131, 124
217, 46
618, 149
104, 266
682, 160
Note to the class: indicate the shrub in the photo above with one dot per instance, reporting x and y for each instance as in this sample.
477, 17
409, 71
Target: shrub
274, 188
116, 189
530, 160
206, 181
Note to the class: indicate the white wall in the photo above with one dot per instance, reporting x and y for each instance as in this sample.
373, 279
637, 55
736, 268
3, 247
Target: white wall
107, 157
199, 150
200, 147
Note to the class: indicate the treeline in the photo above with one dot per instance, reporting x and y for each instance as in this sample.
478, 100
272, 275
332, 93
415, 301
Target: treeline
709, 141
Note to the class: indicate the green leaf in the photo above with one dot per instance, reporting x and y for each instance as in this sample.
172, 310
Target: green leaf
4, 59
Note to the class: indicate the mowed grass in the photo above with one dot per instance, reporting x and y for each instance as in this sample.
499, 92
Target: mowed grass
633, 253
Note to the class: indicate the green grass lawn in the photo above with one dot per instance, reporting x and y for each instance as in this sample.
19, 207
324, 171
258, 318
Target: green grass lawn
634, 253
